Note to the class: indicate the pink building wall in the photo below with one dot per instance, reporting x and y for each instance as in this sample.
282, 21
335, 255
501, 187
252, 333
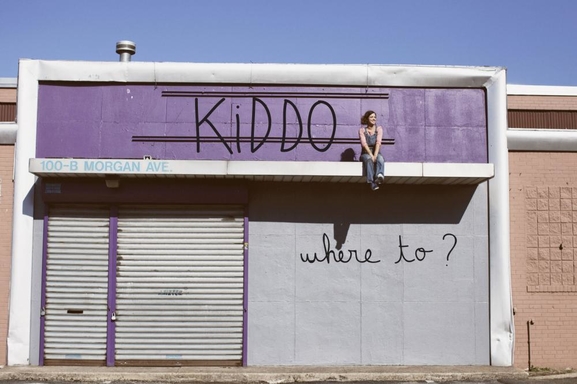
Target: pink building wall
7, 96
543, 208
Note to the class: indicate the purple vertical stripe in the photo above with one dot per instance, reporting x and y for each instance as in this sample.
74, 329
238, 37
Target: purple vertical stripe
43, 289
112, 253
245, 291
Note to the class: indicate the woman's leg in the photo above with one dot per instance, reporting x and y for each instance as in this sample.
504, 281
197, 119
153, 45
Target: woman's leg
369, 167
380, 165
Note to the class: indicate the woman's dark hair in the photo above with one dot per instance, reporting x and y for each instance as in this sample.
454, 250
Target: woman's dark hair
365, 118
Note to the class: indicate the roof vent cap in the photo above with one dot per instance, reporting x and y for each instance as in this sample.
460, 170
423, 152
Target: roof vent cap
125, 48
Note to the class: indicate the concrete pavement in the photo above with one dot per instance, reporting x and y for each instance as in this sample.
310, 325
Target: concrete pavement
268, 374
572, 375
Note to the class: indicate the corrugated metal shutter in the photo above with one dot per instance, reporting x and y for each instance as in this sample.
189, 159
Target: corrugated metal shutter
542, 119
7, 112
76, 285
180, 285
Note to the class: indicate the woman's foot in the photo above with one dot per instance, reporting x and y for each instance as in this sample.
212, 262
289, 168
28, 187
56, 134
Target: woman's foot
380, 178
374, 186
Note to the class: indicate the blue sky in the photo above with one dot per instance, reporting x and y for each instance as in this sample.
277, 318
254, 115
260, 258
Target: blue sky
536, 40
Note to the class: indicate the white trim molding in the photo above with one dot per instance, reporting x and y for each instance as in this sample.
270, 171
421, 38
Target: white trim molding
536, 140
540, 90
8, 133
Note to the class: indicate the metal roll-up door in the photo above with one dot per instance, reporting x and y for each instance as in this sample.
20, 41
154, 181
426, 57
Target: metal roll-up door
75, 323
180, 273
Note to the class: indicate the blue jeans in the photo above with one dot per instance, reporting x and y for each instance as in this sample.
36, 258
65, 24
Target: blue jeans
373, 169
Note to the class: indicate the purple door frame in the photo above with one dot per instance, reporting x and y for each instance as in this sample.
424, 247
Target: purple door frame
112, 258
43, 289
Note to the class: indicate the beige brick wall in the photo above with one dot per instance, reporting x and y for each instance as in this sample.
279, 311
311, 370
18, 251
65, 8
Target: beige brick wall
6, 201
548, 103
7, 95
543, 208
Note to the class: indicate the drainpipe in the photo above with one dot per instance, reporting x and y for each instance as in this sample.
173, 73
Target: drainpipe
529, 324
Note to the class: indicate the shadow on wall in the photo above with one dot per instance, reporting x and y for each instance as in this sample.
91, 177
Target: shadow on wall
348, 155
357, 204
346, 204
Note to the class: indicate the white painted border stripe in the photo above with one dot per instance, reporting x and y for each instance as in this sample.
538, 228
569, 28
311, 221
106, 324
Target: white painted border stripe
21, 300
502, 324
271, 74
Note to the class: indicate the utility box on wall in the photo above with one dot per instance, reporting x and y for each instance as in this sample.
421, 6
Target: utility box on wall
229, 222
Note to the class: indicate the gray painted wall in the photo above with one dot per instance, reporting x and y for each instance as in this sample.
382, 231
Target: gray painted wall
396, 311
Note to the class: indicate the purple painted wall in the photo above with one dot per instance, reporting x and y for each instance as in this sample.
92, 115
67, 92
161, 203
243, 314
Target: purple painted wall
133, 121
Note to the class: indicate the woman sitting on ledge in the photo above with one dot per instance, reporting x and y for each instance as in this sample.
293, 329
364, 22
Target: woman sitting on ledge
371, 137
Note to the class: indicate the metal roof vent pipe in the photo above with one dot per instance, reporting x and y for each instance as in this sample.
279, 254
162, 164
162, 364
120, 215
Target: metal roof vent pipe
125, 49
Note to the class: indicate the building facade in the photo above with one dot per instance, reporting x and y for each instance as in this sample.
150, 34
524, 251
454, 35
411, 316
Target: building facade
303, 253
178, 214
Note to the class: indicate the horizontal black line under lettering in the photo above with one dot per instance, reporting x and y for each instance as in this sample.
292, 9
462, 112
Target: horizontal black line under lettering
284, 95
214, 139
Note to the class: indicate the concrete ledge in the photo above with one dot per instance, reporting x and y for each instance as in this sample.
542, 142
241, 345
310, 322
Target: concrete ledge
275, 374
294, 168
296, 171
